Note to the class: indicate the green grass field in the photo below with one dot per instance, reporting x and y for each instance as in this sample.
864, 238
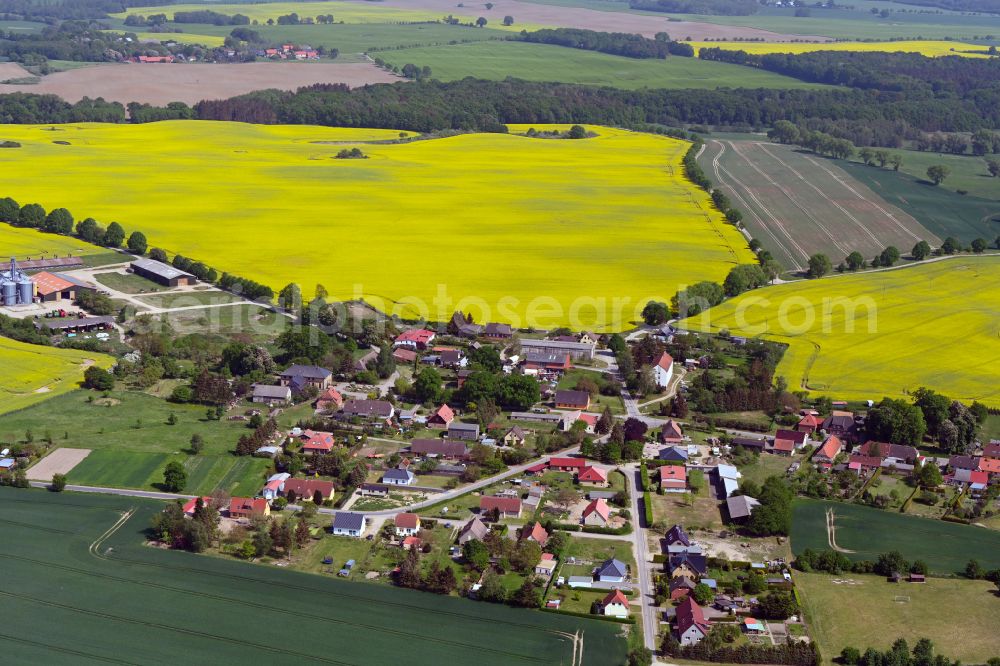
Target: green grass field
968, 172
30, 374
73, 594
543, 62
885, 333
866, 613
942, 210
867, 532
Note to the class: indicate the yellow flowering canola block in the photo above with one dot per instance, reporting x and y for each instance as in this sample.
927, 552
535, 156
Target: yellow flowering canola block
928, 47
551, 230
935, 325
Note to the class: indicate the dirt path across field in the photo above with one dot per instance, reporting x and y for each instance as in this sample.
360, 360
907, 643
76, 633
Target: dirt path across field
190, 83
60, 461
592, 19
831, 532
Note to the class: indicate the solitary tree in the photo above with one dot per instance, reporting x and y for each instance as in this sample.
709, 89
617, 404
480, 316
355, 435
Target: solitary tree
174, 477
855, 260
921, 250
508, 20
979, 245
58, 483
819, 265
938, 173
481, 22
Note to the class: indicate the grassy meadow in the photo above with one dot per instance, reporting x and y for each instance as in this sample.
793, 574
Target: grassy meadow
544, 62
24, 243
866, 532
870, 612
67, 602
967, 172
30, 374
930, 48
931, 325
476, 216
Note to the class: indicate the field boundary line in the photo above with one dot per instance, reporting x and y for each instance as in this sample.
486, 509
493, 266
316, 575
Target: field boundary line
66, 650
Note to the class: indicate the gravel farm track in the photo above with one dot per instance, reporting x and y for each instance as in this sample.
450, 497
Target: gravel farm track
189, 83
798, 204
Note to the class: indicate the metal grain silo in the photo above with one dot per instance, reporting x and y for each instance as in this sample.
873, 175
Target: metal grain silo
8, 293
25, 290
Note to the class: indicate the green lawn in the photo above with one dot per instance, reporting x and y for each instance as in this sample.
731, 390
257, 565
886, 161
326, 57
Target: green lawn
256, 321
946, 547
870, 612
64, 602
968, 172
543, 62
128, 283
597, 402
766, 465
940, 209
189, 298
105, 258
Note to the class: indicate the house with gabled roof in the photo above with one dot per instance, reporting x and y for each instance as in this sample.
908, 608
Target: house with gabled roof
246, 507
407, 524
535, 533
612, 571
299, 376
692, 627
330, 400
594, 475
509, 507
467, 431
676, 454
841, 424
676, 536
809, 424
514, 437
829, 450
347, 523
615, 604
474, 529
315, 442
306, 488
369, 409
663, 370
415, 338
673, 478
681, 586
439, 448
271, 395
567, 464
569, 399
442, 417
671, 433
893, 452
787, 441
597, 514
398, 477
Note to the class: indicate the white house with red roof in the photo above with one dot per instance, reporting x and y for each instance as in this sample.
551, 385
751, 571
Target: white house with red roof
673, 478
595, 475
692, 627
567, 464
316, 442
597, 514
415, 338
407, 524
663, 370
830, 449
671, 433
330, 400
190, 505
615, 604
535, 533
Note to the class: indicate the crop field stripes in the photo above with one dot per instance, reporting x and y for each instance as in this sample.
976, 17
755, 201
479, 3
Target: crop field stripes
7, 638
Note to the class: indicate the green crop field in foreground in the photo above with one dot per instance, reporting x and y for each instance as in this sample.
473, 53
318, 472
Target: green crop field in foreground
544, 62
882, 333
30, 374
71, 595
528, 230
867, 532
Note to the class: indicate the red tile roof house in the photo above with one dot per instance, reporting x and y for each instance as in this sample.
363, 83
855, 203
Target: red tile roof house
243, 507
671, 433
593, 475
615, 604
509, 507
898, 452
442, 417
830, 449
189, 506
316, 442
786, 441
673, 478
442, 448
535, 533
330, 401
863, 464
808, 424
692, 626
407, 524
306, 488
992, 450
572, 400
416, 338
597, 514
680, 587
567, 464
404, 355
663, 371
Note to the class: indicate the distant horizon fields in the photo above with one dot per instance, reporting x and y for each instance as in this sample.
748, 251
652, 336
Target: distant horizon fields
501, 225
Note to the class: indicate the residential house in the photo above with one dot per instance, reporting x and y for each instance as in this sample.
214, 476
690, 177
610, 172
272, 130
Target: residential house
842, 424
751, 443
594, 475
976, 479
675, 454
535, 533
830, 449
691, 562
663, 370
398, 477
465, 431
316, 442
740, 507
245, 507
474, 529
546, 565
369, 409
808, 424
271, 395
442, 417
452, 358
566, 399
597, 514
567, 464
692, 627
892, 452
612, 571
963, 462
614, 605
307, 488
671, 433
439, 448
415, 338
787, 441
680, 587
673, 478
347, 523
545, 364
404, 356
330, 400
459, 325
192, 503
301, 376
676, 536
992, 450
498, 331
374, 490
863, 464
407, 524
361, 365
577, 350
509, 507
514, 437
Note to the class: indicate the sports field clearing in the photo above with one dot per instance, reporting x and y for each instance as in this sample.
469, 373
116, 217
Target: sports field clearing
476, 217
867, 611
927, 47
30, 374
79, 587
23, 243
882, 333
544, 62
862, 533
797, 204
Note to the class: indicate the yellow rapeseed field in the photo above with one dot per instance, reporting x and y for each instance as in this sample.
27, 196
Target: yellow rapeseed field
31, 373
31, 243
551, 230
928, 47
346, 12
935, 325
